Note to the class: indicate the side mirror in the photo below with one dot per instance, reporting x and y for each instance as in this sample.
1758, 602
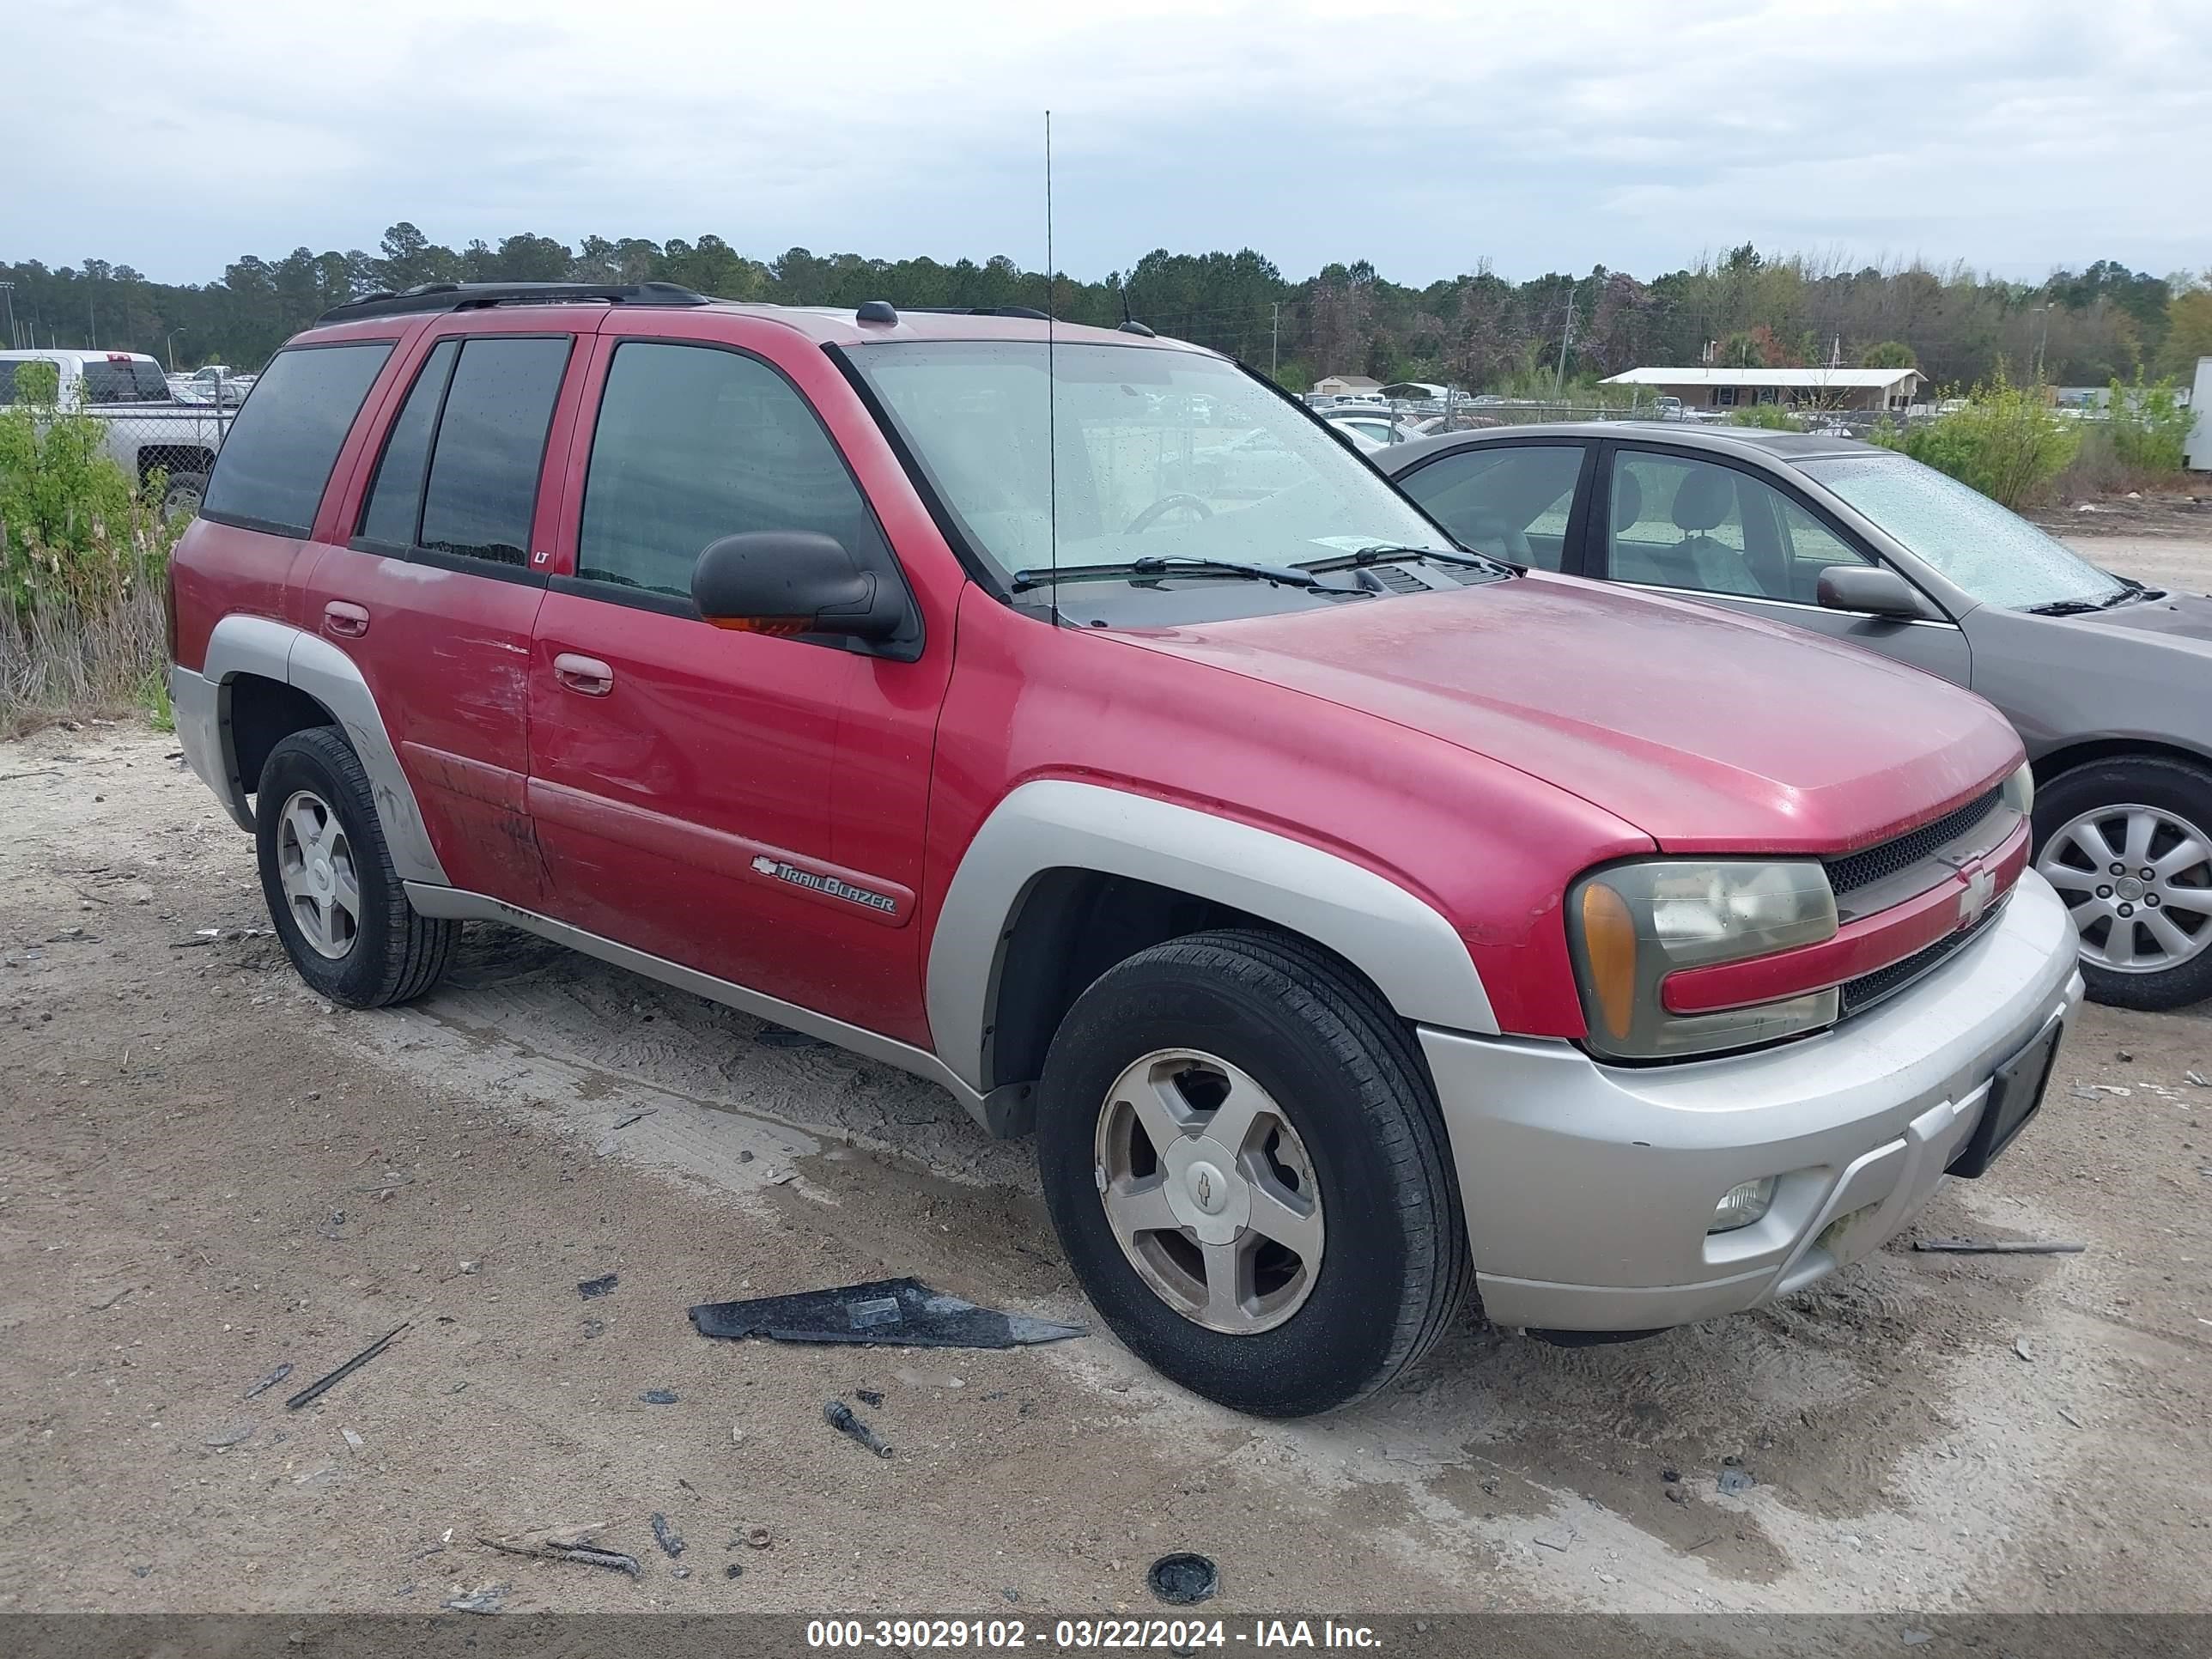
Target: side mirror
793, 581
1867, 588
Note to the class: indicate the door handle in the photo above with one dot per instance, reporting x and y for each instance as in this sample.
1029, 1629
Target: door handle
585, 675
346, 621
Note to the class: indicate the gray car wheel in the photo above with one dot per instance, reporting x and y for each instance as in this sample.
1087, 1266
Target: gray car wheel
2128, 845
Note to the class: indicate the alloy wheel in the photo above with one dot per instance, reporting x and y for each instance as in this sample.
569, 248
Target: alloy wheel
315, 867
2138, 880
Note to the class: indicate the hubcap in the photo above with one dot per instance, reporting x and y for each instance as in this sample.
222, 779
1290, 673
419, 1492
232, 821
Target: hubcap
2138, 880
1209, 1191
315, 868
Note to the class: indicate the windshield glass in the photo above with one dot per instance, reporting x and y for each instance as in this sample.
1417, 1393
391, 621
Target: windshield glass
1161, 454
1990, 552
125, 380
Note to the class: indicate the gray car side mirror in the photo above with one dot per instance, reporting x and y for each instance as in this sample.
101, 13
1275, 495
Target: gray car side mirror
1870, 589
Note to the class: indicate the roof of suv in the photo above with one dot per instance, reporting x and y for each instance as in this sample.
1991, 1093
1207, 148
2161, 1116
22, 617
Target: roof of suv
1786, 447
825, 325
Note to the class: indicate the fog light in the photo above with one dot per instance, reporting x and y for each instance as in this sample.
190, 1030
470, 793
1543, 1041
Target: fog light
1743, 1205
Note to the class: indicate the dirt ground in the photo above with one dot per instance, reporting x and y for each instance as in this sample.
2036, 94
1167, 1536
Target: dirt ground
205, 1173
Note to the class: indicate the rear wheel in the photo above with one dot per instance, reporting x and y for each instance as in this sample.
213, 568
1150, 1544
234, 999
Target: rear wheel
336, 901
1245, 1164
181, 499
2127, 844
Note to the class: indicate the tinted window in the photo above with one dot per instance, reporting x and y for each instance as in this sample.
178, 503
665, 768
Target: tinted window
395, 500
130, 381
1509, 501
1677, 522
694, 444
490, 448
278, 455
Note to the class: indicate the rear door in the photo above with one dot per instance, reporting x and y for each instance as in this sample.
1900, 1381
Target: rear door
752, 806
434, 592
1711, 529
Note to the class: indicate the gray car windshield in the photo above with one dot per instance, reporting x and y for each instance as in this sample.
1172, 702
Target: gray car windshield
1984, 548
1160, 454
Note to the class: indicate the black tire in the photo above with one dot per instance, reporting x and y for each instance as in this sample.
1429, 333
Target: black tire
2179, 788
396, 954
181, 499
1344, 1069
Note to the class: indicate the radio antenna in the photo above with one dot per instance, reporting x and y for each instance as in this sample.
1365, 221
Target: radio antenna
1051, 390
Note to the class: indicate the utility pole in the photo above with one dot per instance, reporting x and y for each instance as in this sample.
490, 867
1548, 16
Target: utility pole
1566, 338
1274, 339
7, 293
2042, 340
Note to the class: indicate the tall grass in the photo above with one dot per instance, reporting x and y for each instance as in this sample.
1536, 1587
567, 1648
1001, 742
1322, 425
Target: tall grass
83, 561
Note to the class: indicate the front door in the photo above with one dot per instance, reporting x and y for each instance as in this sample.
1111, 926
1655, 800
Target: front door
434, 594
1672, 520
686, 780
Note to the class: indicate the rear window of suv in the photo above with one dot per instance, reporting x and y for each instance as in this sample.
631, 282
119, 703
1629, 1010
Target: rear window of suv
130, 380
269, 473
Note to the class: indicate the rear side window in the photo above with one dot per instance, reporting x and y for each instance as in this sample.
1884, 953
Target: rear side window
490, 446
395, 500
277, 456
694, 444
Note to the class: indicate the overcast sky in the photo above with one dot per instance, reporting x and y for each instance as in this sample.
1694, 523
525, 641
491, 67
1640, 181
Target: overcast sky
2015, 135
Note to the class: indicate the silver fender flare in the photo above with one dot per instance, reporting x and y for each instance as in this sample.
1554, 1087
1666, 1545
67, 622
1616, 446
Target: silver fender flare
292, 656
1401, 942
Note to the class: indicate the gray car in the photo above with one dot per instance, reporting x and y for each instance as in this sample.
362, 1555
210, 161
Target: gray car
2109, 682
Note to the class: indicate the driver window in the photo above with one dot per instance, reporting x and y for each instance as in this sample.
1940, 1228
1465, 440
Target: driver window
1674, 522
1510, 501
694, 443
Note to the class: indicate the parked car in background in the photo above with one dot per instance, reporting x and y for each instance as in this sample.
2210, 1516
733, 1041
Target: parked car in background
213, 383
1353, 919
1367, 430
2108, 681
148, 431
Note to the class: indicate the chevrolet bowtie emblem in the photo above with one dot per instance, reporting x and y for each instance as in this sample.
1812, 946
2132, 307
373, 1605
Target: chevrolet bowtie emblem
1981, 888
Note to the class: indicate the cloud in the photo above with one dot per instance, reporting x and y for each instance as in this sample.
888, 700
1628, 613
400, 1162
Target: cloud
1424, 138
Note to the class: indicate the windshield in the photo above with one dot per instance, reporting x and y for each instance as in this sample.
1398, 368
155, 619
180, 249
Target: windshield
1161, 454
125, 380
1988, 552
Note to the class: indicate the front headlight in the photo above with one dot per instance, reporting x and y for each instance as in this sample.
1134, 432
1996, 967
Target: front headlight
1631, 924
2019, 790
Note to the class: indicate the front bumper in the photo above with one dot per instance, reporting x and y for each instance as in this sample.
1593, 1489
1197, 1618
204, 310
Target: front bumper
1588, 1188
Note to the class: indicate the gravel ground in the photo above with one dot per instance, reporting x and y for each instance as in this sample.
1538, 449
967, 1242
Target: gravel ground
206, 1173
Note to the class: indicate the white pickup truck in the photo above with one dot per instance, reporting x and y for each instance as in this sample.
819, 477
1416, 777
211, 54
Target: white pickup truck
148, 430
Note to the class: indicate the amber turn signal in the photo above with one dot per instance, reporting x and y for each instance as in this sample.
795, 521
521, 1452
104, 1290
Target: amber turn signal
1609, 939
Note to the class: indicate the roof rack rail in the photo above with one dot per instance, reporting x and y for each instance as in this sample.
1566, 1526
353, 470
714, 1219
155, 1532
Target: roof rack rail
466, 296
1030, 312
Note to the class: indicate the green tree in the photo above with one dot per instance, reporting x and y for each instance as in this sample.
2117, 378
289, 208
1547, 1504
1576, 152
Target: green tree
1889, 354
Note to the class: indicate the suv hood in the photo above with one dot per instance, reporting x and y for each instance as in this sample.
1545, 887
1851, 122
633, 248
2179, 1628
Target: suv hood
1708, 731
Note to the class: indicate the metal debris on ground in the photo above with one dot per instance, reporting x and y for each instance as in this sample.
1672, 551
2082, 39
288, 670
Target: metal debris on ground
873, 1397
735, 1570
592, 1287
755, 1537
1999, 1246
102, 1307
564, 1544
839, 1416
670, 1540
658, 1396
486, 1600
2020, 1347
902, 1312
2070, 1417
1735, 1478
1182, 1579
316, 1388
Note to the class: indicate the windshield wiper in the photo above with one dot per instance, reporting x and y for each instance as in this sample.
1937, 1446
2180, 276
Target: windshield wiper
1155, 566
2130, 590
1401, 555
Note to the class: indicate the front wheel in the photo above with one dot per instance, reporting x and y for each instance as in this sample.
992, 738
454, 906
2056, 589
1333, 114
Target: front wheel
2127, 844
1244, 1161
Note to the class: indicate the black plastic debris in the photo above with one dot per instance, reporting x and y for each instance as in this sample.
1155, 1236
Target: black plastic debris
1183, 1579
839, 1416
670, 1540
658, 1396
316, 1388
868, 1396
592, 1287
902, 1312
733, 1570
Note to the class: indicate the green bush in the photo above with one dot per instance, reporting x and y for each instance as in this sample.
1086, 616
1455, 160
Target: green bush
1772, 416
2149, 426
2007, 442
